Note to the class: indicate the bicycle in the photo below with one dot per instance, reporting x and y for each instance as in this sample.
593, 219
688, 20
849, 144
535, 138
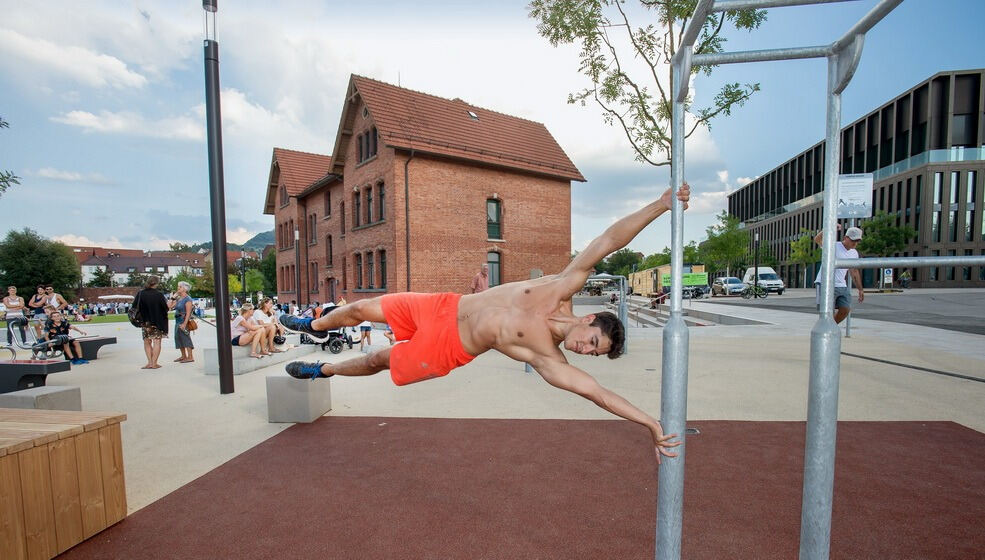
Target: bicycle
754, 291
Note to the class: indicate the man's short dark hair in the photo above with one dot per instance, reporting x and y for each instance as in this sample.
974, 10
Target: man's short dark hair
611, 327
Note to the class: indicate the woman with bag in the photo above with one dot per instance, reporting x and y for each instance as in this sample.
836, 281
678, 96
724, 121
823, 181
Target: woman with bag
153, 313
184, 322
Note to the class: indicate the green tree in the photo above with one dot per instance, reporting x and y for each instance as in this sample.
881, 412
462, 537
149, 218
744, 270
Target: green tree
254, 281
27, 259
180, 247
7, 178
101, 278
136, 279
204, 285
883, 237
235, 286
268, 267
727, 246
628, 66
804, 251
620, 263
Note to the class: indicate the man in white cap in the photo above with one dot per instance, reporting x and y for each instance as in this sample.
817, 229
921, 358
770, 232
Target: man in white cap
845, 249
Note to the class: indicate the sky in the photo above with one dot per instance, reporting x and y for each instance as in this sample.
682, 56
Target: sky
105, 102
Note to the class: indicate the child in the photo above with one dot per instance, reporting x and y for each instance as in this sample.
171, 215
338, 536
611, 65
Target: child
58, 326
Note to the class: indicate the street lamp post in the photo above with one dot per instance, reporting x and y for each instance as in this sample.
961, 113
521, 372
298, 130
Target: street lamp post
242, 270
756, 267
217, 197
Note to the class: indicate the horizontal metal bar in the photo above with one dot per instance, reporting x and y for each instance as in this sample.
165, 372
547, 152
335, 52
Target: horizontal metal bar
729, 5
907, 262
869, 20
819, 51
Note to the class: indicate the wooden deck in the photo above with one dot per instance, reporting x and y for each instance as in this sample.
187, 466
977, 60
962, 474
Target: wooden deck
61, 479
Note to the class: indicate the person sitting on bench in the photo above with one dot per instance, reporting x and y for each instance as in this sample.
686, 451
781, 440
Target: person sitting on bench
58, 326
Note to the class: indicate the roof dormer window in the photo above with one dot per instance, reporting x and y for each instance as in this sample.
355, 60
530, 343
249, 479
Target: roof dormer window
472, 115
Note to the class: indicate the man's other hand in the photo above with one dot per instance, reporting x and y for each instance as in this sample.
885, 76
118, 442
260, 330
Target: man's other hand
683, 195
662, 443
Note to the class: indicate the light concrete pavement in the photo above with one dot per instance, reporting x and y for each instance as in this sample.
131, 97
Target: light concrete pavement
179, 426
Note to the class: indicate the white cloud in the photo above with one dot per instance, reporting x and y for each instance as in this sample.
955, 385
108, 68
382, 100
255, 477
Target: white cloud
743, 181
83, 241
134, 124
239, 235
83, 65
70, 176
723, 176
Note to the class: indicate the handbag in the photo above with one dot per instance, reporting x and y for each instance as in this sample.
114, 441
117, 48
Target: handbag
192, 325
136, 319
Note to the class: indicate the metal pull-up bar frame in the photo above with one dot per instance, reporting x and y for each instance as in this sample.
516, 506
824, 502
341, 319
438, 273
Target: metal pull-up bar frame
822, 410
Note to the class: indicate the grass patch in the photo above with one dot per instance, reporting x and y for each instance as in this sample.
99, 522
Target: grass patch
94, 319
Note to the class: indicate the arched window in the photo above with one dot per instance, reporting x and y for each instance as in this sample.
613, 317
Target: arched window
328, 250
357, 264
494, 228
359, 142
382, 269
380, 191
370, 276
493, 260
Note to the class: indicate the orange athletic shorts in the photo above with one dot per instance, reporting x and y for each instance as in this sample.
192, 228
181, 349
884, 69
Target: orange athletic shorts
429, 325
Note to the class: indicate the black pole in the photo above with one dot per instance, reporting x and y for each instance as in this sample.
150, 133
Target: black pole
756, 269
218, 200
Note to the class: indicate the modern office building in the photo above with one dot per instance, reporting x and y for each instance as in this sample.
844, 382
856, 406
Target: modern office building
926, 151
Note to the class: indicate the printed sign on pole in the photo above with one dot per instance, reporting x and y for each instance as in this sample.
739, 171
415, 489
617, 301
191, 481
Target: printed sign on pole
855, 195
688, 279
887, 275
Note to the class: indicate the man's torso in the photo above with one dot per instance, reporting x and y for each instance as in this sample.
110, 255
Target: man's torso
840, 253
513, 318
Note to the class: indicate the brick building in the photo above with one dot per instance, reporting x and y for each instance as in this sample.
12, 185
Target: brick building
418, 192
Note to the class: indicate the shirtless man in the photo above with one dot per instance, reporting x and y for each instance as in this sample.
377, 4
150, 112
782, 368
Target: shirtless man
525, 320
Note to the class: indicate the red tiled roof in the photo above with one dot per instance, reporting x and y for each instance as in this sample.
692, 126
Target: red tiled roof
409, 119
297, 171
300, 169
82, 253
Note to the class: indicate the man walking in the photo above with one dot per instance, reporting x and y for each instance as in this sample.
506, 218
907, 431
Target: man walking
844, 249
524, 320
481, 281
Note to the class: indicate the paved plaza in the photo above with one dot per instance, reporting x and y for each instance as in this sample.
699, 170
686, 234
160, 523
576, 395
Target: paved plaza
179, 427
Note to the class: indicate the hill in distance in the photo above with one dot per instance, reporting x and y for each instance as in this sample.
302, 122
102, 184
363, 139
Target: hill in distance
255, 243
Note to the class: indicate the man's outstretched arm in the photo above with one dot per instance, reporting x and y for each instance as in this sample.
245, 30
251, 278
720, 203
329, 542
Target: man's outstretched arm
565, 376
617, 236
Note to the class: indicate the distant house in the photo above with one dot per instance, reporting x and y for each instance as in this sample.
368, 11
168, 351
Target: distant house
418, 193
122, 267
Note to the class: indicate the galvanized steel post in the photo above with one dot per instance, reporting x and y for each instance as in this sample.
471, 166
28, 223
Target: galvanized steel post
624, 314
673, 387
822, 400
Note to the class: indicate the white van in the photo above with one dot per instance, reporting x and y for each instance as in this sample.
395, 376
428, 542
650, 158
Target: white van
768, 279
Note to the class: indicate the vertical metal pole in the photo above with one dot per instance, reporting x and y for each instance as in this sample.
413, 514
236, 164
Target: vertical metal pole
624, 314
822, 402
297, 263
673, 388
755, 268
848, 282
218, 201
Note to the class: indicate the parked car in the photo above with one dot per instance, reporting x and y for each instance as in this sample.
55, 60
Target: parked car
768, 279
727, 286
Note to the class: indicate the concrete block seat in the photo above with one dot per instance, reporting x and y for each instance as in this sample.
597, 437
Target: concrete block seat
90, 346
243, 363
46, 397
297, 400
24, 374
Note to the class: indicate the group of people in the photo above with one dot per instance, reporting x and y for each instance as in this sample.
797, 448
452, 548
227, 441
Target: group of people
257, 327
45, 313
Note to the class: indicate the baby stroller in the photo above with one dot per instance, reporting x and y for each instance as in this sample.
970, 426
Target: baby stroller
336, 338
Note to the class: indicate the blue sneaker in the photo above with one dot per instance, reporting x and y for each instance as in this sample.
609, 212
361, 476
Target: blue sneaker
75, 361
303, 326
305, 370
83, 361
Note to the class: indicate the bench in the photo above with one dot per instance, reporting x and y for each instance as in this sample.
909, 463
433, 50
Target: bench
24, 374
61, 479
90, 346
297, 400
243, 363
49, 397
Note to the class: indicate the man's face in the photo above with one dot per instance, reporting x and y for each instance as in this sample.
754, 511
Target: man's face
56, 317
485, 270
588, 340
850, 243
12, 291
49, 290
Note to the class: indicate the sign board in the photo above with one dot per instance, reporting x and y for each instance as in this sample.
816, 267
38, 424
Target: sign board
887, 276
855, 195
689, 279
